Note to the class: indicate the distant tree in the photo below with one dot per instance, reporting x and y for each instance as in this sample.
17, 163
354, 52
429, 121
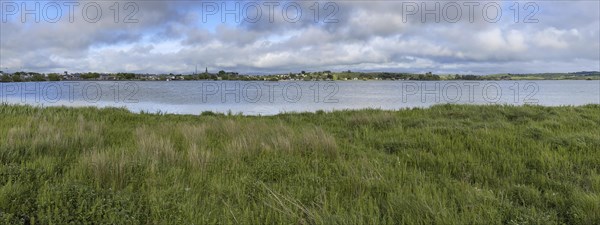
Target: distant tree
469, 77
204, 76
5, 78
221, 72
38, 77
88, 76
54, 77
125, 76
17, 78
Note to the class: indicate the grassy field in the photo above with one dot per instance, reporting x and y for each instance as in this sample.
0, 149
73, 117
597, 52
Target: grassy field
449, 164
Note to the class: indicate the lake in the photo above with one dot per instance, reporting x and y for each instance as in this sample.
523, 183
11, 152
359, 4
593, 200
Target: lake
269, 98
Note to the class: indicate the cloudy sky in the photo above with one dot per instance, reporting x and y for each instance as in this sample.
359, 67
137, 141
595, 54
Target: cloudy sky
273, 37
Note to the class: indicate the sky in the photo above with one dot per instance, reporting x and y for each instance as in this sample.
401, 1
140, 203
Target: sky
266, 37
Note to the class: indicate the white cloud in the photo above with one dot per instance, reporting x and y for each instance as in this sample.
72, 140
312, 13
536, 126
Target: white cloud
555, 38
369, 36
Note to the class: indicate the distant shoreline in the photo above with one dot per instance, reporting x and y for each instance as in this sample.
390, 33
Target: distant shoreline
303, 76
142, 80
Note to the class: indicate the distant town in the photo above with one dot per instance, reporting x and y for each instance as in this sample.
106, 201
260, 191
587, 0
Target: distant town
300, 76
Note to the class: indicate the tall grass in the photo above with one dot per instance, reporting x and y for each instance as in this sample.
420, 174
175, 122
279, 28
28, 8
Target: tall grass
449, 164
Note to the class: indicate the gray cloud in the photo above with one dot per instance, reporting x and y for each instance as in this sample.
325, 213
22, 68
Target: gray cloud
171, 37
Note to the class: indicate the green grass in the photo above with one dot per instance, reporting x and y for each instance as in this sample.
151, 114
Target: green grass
449, 164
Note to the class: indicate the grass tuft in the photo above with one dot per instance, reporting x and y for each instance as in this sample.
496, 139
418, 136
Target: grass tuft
448, 164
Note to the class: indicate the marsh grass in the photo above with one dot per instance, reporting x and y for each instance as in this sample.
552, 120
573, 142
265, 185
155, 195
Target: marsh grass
449, 164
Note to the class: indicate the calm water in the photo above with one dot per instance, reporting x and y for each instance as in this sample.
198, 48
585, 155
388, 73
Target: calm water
268, 98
